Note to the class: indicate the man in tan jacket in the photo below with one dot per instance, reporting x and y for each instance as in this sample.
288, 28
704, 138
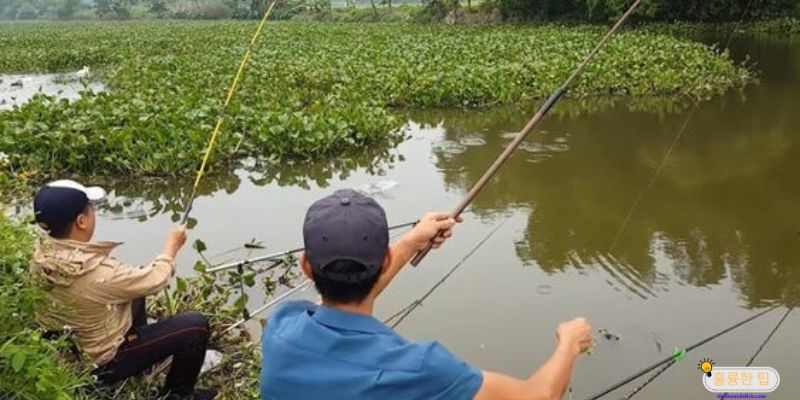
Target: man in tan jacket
101, 299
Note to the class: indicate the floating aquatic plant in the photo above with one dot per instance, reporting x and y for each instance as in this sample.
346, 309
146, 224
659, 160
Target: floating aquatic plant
311, 89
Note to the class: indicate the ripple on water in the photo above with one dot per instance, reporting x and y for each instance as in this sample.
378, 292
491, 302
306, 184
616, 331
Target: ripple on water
537, 158
509, 135
533, 147
376, 188
557, 148
450, 147
544, 289
472, 141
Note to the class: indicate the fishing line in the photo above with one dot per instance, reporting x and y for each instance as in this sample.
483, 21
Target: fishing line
284, 253
281, 254
221, 118
653, 178
675, 359
769, 337
672, 362
648, 186
405, 312
678, 354
668, 153
531, 125
302, 286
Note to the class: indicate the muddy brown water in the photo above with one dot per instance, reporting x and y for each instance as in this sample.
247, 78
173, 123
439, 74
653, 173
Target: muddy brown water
714, 239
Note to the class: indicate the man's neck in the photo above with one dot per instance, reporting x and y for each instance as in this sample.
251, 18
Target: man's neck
79, 237
364, 308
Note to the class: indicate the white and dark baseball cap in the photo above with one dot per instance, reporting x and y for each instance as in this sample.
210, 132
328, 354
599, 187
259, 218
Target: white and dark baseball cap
346, 226
59, 203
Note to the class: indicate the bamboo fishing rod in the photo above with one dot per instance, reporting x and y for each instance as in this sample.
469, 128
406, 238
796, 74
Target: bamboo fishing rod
537, 118
218, 127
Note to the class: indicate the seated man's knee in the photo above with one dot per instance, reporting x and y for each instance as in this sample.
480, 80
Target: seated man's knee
198, 320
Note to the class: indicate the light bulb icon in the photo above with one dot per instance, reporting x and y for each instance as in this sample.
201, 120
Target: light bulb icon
706, 365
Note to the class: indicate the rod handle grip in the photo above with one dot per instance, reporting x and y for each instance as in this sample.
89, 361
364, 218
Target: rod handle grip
424, 252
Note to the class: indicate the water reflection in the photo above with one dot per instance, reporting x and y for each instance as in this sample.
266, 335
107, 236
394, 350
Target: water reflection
726, 203
141, 200
724, 208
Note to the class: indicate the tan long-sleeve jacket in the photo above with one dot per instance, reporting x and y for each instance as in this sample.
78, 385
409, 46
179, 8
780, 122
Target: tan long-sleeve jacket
90, 292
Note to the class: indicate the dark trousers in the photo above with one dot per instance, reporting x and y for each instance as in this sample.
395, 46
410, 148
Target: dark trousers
184, 337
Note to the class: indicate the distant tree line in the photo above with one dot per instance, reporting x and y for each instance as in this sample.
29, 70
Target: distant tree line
128, 9
652, 10
514, 10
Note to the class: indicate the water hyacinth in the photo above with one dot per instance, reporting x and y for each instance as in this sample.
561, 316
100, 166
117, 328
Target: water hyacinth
311, 89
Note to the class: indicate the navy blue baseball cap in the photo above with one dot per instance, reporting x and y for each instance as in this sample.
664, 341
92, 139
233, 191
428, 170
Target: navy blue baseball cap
346, 226
59, 203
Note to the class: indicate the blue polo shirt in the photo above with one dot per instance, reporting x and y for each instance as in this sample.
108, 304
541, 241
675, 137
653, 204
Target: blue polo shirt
316, 352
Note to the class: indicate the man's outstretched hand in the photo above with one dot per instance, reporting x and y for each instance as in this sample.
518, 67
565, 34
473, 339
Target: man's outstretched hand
575, 336
175, 241
428, 229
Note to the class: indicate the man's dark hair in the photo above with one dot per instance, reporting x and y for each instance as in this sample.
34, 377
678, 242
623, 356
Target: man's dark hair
345, 292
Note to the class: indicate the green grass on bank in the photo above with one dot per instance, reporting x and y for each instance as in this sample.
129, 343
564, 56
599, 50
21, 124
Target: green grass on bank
34, 368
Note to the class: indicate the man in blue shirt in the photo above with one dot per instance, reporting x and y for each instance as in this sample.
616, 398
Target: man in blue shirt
337, 350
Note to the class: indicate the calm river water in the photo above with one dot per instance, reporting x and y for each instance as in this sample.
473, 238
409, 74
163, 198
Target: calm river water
712, 240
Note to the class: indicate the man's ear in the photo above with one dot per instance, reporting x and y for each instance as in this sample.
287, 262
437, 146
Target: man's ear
82, 222
305, 266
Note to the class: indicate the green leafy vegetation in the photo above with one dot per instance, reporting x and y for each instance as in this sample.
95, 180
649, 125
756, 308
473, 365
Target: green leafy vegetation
310, 89
777, 27
30, 366
34, 368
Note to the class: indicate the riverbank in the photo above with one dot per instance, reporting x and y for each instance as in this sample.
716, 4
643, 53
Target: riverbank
311, 89
32, 367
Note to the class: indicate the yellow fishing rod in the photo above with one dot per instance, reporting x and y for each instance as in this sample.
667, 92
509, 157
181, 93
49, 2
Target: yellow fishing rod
218, 127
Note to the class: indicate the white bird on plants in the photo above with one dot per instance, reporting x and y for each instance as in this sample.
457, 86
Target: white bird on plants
83, 73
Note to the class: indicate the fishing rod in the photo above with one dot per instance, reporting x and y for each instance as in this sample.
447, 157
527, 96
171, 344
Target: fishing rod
537, 118
280, 254
221, 117
678, 354
302, 286
271, 303
675, 360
